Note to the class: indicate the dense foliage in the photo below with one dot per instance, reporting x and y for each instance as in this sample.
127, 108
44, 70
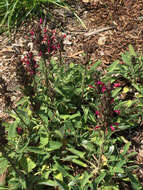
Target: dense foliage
63, 132
14, 12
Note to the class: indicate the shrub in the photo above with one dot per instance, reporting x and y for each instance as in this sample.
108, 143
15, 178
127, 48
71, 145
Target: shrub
61, 136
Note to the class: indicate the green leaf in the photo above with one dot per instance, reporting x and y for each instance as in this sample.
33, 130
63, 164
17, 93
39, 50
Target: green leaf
132, 51
54, 145
50, 183
3, 165
117, 170
125, 148
43, 116
59, 176
4, 188
110, 187
76, 152
100, 178
36, 150
70, 117
135, 182
88, 145
61, 169
12, 130
116, 91
84, 179
69, 158
79, 162
61, 185
95, 65
22, 101
113, 66
27, 164
85, 110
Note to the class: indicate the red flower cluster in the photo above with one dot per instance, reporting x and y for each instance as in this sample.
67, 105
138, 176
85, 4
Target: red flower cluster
30, 63
46, 42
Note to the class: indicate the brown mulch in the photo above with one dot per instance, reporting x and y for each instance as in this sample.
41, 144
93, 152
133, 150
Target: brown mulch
125, 15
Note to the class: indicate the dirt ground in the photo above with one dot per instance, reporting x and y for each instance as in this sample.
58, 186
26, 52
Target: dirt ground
109, 27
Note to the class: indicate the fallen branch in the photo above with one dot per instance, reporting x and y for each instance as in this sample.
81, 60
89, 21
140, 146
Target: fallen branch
97, 31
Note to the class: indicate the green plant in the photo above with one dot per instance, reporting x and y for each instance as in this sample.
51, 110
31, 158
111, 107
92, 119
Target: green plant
14, 12
61, 136
129, 94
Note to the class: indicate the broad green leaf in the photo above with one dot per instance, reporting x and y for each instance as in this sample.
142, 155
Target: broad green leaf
3, 165
116, 91
12, 130
22, 101
69, 158
85, 110
70, 117
79, 162
59, 176
113, 66
36, 150
125, 148
121, 163
88, 145
61, 185
44, 140
132, 154
30, 165
50, 183
132, 51
100, 178
117, 170
27, 164
44, 116
54, 145
110, 187
135, 182
76, 152
95, 65
84, 179
61, 169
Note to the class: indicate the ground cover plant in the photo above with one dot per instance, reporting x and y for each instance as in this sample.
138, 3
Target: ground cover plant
63, 133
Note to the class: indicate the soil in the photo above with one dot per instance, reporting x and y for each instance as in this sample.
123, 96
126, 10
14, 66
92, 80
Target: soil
125, 19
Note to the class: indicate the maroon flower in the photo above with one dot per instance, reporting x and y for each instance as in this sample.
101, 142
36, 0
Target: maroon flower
19, 130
